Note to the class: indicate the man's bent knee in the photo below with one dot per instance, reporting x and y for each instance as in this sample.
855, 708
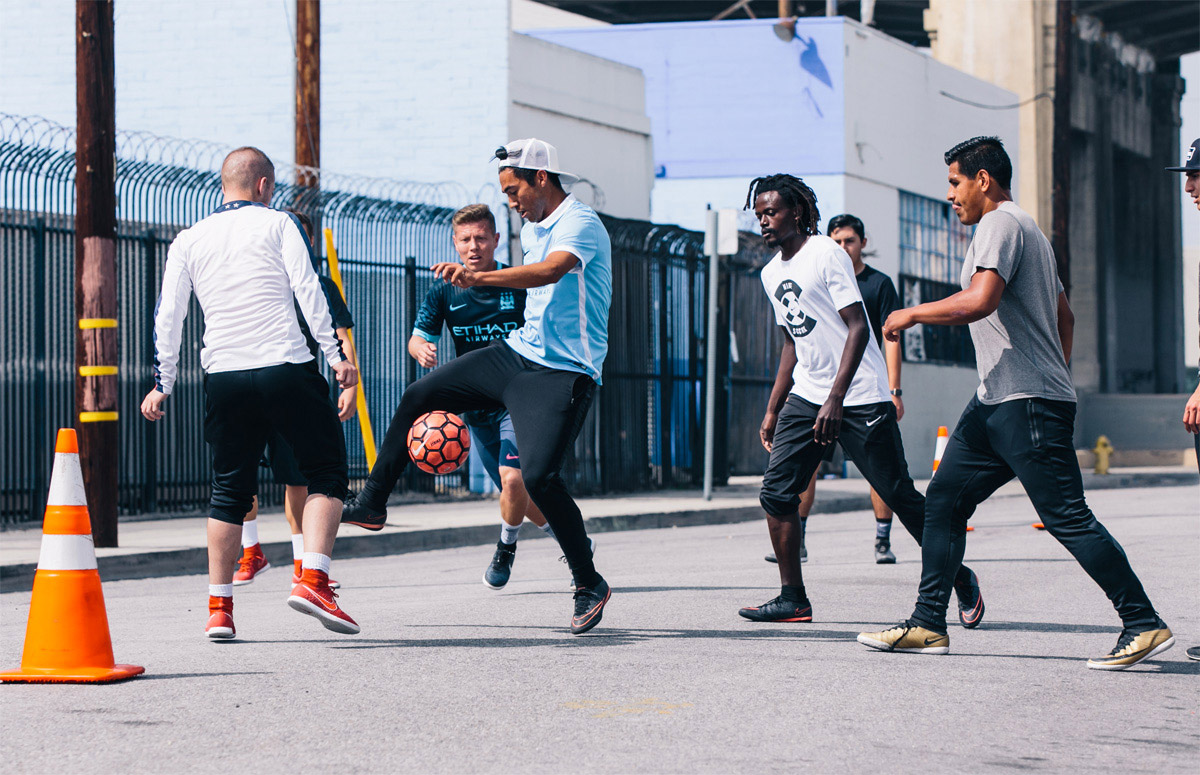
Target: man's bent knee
778, 505
511, 480
232, 514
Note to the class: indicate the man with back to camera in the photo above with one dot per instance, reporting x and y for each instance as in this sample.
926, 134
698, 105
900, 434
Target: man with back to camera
1191, 410
880, 300
545, 373
280, 458
831, 386
1021, 421
248, 264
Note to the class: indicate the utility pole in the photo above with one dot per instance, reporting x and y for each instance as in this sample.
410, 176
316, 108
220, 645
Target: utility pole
95, 264
308, 91
1060, 202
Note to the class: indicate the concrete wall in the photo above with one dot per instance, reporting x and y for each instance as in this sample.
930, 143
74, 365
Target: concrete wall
601, 131
682, 201
904, 110
1132, 422
933, 396
1009, 43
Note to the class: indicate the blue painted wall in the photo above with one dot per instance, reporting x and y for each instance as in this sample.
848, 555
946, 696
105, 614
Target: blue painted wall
708, 85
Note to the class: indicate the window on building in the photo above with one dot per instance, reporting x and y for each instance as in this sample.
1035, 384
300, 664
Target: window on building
933, 244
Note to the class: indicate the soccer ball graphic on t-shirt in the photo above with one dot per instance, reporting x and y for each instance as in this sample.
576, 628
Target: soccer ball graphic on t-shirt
798, 323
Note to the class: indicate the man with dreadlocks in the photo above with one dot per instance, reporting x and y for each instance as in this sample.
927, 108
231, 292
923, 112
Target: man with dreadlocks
831, 387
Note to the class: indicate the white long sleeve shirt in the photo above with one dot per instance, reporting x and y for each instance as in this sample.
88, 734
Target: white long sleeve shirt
246, 263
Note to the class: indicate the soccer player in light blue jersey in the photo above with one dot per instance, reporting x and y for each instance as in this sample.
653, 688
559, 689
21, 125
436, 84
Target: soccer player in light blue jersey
544, 373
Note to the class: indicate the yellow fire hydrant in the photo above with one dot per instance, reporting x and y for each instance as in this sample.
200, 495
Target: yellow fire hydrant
1103, 450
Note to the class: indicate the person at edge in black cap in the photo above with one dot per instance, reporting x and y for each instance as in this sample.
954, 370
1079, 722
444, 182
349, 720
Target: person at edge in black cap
1191, 411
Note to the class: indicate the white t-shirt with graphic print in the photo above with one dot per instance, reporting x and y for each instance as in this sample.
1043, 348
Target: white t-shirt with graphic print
806, 292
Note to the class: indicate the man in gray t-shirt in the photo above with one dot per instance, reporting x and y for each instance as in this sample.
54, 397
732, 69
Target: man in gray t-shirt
1018, 347
1021, 422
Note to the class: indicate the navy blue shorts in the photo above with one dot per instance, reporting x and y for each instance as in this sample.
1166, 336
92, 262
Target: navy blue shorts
496, 443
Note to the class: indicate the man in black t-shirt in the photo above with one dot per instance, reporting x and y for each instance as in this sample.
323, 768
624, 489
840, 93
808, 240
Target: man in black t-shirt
279, 456
476, 317
880, 299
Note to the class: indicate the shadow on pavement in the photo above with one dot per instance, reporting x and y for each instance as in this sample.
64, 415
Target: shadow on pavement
605, 637
636, 590
1079, 629
161, 676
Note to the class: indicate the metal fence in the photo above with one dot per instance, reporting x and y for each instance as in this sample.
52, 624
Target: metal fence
645, 428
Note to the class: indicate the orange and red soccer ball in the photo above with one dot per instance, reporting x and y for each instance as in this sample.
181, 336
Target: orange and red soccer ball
439, 442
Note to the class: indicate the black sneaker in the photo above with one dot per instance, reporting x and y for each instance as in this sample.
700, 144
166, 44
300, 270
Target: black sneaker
589, 606
883, 552
367, 517
1194, 653
496, 575
803, 555
970, 601
779, 610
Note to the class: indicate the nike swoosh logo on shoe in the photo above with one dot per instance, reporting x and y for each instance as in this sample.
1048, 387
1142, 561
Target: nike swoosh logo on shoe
331, 606
931, 641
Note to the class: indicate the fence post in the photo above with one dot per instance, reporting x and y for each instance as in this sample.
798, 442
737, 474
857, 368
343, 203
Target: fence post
665, 371
410, 364
695, 379
149, 429
41, 431
721, 440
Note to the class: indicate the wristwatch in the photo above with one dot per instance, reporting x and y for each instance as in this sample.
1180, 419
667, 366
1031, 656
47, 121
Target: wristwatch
897, 392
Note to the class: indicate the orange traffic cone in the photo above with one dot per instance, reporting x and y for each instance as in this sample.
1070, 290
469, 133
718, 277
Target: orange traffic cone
66, 639
943, 438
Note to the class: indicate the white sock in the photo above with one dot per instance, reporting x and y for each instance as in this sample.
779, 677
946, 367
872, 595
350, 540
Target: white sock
298, 546
546, 529
220, 590
249, 534
508, 533
316, 561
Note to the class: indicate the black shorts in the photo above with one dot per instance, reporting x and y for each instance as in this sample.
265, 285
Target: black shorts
495, 442
241, 410
282, 461
870, 437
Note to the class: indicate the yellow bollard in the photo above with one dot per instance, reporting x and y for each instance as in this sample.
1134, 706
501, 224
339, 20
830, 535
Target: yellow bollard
1103, 450
360, 397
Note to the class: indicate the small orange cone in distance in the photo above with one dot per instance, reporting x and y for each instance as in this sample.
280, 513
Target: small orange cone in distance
943, 438
66, 639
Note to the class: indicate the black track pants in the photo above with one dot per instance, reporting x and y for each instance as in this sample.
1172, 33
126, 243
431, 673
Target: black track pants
547, 406
1033, 440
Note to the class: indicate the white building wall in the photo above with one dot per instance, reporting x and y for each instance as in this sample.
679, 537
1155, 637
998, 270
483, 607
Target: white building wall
899, 119
683, 201
409, 90
601, 130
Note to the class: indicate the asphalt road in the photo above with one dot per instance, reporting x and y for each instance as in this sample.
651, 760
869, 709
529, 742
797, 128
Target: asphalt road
449, 676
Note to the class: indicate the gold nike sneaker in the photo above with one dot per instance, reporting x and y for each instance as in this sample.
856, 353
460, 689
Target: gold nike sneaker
1133, 647
908, 638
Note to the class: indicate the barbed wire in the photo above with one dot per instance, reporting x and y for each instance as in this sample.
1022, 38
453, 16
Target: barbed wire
148, 152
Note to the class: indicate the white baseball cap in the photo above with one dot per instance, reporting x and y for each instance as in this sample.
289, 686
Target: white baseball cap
533, 154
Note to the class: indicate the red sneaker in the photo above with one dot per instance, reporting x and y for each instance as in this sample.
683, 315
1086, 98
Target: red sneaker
298, 569
220, 618
313, 596
253, 562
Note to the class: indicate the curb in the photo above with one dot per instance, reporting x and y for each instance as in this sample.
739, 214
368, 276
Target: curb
186, 562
